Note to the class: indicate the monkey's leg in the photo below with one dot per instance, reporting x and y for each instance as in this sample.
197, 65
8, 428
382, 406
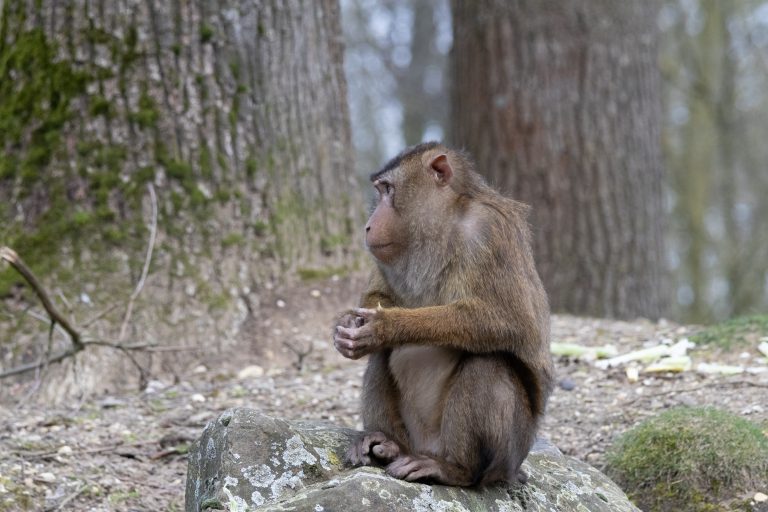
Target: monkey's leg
385, 438
492, 436
482, 440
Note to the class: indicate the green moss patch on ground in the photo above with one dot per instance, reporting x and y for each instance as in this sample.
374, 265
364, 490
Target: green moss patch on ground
743, 330
690, 459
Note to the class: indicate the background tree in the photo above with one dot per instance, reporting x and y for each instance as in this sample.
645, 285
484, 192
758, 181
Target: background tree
716, 97
560, 104
236, 113
397, 51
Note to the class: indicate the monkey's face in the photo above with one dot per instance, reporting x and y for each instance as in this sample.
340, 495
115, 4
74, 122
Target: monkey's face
384, 235
413, 202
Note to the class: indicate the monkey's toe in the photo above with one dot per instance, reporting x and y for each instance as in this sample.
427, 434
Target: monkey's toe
359, 453
387, 451
412, 468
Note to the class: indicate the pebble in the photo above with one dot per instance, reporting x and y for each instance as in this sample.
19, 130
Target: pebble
65, 450
567, 384
280, 303
250, 372
197, 397
760, 497
46, 477
315, 293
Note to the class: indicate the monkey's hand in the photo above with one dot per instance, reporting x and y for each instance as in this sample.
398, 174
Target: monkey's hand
358, 341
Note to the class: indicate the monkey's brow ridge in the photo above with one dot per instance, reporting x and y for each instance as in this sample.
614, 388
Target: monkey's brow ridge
406, 153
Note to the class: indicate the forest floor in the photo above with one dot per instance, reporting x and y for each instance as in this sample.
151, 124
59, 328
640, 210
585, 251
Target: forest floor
127, 452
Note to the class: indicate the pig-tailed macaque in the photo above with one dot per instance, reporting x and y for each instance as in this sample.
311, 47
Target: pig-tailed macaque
455, 322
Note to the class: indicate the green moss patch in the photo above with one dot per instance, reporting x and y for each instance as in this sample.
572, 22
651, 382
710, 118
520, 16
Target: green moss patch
690, 459
313, 274
744, 330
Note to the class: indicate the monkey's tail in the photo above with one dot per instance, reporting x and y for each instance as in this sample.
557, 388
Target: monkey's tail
497, 469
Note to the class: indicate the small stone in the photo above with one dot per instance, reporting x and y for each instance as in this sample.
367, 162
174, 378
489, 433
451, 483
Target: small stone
633, 374
200, 369
65, 450
567, 384
200, 418
46, 477
760, 497
197, 397
111, 402
315, 293
280, 303
250, 372
154, 386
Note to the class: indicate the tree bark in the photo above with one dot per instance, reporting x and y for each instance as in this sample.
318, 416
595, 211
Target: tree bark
235, 111
559, 102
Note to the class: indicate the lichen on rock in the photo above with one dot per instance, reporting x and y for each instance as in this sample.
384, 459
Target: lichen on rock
270, 464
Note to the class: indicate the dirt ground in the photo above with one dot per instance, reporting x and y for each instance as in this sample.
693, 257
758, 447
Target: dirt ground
127, 452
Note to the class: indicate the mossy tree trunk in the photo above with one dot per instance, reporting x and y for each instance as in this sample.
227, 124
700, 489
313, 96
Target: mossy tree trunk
235, 111
560, 104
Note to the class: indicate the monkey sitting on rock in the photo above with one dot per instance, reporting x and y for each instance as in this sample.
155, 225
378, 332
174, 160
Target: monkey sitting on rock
455, 322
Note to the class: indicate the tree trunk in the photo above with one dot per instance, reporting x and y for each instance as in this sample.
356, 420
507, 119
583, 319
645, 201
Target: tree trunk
235, 111
559, 103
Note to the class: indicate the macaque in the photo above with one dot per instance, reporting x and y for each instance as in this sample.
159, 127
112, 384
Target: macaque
455, 322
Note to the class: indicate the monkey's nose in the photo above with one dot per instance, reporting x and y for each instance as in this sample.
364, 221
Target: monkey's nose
367, 228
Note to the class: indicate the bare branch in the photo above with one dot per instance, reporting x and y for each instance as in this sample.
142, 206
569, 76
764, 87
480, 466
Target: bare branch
40, 364
100, 315
46, 321
300, 354
9, 255
147, 260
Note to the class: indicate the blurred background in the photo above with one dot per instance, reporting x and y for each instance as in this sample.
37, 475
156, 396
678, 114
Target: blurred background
713, 61
165, 168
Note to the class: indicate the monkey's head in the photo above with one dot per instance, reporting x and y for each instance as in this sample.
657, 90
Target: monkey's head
416, 195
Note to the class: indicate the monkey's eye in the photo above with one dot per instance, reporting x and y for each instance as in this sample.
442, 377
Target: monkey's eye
384, 188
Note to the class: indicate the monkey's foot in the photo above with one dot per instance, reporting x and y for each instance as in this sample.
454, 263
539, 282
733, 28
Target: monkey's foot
420, 467
373, 444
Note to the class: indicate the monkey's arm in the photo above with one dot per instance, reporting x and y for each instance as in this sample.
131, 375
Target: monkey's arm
468, 324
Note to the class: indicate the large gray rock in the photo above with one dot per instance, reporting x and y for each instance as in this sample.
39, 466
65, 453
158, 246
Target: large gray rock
246, 460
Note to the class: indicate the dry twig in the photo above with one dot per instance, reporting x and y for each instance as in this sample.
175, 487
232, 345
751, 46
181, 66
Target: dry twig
300, 354
147, 260
58, 319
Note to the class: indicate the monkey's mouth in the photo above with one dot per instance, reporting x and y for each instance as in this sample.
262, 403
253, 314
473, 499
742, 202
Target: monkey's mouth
379, 246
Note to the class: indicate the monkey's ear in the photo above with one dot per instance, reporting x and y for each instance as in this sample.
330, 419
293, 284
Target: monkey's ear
441, 169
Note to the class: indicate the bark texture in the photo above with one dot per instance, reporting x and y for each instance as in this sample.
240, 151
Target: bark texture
235, 111
559, 102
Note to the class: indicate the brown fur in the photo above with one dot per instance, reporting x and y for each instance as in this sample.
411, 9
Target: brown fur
456, 323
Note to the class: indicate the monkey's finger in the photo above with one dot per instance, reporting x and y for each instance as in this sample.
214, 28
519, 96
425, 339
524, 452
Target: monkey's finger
342, 343
365, 312
347, 332
355, 333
